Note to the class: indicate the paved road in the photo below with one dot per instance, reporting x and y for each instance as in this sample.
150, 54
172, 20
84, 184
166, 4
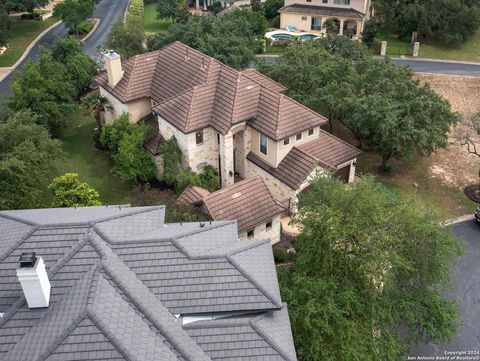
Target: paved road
108, 11
421, 66
467, 294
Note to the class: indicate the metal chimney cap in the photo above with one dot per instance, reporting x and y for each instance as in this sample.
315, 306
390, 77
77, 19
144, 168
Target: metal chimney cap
27, 259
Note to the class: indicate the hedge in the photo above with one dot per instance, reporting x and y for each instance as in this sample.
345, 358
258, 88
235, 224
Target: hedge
135, 11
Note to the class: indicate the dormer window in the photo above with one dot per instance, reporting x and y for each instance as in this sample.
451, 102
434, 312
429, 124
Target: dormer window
263, 144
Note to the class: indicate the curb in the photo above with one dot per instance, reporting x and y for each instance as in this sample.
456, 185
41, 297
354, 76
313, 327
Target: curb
408, 58
97, 22
459, 220
125, 14
27, 50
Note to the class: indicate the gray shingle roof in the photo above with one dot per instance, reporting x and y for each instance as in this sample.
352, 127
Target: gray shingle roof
120, 275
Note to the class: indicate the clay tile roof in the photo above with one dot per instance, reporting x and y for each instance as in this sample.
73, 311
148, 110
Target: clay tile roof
194, 91
279, 116
330, 150
248, 201
192, 195
326, 151
322, 10
263, 80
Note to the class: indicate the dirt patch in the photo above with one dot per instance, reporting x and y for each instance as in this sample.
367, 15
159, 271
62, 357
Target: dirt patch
455, 166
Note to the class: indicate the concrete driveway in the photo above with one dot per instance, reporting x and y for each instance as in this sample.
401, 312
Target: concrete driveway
467, 294
108, 11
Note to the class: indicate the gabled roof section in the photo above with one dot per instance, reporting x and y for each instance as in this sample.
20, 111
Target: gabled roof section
330, 150
136, 81
325, 151
192, 195
279, 116
250, 202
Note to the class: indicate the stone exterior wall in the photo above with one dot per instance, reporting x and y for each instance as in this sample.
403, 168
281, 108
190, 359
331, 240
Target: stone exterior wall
226, 159
280, 190
203, 154
117, 107
196, 156
260, 231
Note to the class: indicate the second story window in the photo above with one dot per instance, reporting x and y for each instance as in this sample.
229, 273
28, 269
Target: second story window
251, 234
263, 144
325, 1
298, 136
286, 141
341, 2
311, 131
199, 137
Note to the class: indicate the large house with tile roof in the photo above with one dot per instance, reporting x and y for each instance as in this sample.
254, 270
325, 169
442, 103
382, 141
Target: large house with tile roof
118, 284
239, 122
348, 16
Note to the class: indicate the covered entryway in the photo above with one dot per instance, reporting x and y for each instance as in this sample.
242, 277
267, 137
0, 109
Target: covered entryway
343, 173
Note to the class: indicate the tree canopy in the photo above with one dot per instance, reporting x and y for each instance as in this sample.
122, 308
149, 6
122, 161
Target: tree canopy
69, 191
380, 103
230, 39
73, 12
125, 140
27, 160
452, 21
367, 263
167, 9
45, 89
127, 38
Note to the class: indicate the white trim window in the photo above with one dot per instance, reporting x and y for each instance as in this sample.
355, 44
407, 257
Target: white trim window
298, 137
311, 132
263, 144
286, 142
250, 233
269, 225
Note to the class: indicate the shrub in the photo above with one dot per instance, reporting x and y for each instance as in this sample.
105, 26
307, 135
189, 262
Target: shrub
217, 6
70, 192
132, 162
112, 134
135, 11
209, 178
187, 178
172, 159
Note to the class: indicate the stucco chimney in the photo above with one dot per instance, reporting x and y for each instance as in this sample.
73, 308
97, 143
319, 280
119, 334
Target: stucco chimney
33, 277
113, 63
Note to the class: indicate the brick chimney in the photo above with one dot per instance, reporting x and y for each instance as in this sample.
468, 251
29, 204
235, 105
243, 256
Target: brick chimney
34, 280
113, 64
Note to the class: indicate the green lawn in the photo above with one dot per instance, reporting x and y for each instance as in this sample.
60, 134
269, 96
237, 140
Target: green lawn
91, 164
22, 33
276, 49
468, 51
151, 24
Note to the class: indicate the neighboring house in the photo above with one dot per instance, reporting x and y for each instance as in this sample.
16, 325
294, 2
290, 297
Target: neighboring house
239, 122
249, 202
117, 284
310, 15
